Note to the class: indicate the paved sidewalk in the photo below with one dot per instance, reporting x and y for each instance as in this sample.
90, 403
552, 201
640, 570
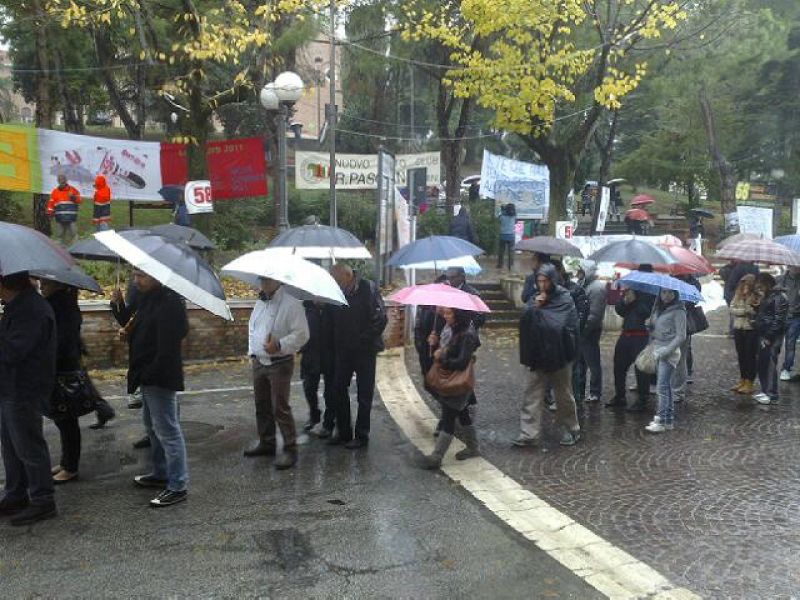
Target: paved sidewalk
343, 524
713, 505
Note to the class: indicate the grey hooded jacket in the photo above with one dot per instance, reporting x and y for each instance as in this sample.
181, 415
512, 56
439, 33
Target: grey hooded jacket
668, 327
596, 293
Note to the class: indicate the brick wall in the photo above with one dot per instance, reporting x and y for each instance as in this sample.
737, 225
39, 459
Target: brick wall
209, 336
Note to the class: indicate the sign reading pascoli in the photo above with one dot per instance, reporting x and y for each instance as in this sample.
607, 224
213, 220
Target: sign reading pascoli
198, 198
359, 171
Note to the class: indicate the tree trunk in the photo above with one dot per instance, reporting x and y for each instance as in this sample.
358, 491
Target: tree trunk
562, 173
607, 154
104, 50
725, 171
44, 110
452, 175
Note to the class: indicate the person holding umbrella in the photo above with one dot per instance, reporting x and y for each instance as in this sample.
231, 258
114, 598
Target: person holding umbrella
27, 376
454, 350
155, 365
667, 334
277, 330
770, 325
745, 337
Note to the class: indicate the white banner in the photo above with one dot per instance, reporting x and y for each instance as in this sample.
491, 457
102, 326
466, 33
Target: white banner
131, 168
197, 196
525, 184
754, 219
359, 171
602, 215
403, 218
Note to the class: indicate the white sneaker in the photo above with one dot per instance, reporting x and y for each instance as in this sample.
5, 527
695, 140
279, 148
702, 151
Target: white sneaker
655, 427
653, 389
762, 398
785, 375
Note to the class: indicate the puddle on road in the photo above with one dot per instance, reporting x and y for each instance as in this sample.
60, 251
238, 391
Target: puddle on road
291, 547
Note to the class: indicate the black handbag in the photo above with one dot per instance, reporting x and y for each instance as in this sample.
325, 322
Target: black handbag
696, 320
74, 395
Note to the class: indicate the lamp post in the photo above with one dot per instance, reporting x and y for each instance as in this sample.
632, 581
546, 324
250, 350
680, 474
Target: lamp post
278, 96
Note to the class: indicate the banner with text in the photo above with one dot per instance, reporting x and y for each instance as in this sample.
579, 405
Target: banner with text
525, 184
31, 160
358, 171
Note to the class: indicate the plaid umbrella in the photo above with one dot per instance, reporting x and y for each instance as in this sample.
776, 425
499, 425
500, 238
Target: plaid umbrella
688, 263
760, 251
738, 238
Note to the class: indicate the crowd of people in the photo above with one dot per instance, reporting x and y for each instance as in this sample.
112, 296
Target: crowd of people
40, 358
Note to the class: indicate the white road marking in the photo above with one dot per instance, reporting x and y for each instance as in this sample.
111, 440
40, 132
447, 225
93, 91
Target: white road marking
242, 388
608, 569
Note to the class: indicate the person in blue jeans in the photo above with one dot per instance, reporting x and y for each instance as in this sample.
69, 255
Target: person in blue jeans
667, 334
791, 286
155, 366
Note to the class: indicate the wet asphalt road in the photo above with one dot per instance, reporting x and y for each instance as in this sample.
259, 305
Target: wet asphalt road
343, 524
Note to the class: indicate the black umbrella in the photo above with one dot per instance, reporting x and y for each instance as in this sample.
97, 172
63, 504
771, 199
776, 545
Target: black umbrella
701, 212
188, 235
24, 249
321, 241
547, 244
172, 193
633, 251
91, 249
74, 276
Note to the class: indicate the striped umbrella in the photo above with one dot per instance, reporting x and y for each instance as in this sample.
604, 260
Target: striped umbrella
759, 251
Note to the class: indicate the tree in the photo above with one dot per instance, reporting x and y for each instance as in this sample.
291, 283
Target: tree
535, 62
211, 49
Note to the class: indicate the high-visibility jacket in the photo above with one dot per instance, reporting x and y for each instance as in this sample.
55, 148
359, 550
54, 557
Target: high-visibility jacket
64, 203
102, 201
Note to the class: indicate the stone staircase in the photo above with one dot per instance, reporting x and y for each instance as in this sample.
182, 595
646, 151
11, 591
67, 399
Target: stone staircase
504, 314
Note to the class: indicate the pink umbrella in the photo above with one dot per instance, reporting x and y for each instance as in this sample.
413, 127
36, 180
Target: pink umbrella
439, 294
671, 240
637, 214
642, 199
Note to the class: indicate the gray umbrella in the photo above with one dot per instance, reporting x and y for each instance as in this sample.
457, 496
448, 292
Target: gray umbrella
91, 249
190, 236
24, 249
633, 251
320, 241
547, 244
74, 276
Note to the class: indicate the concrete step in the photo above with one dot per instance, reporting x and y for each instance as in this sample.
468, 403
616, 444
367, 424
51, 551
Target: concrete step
502, 324
497, 305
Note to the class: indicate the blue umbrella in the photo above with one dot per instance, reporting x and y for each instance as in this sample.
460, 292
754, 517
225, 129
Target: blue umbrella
792, 242
433, 248
653, 283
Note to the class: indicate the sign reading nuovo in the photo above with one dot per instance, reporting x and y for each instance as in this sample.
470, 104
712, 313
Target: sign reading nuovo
359, 171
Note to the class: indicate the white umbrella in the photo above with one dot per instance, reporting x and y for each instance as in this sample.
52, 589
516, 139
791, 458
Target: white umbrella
174, 264
302, 279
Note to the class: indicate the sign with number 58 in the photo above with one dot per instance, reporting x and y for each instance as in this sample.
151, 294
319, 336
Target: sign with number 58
197, 196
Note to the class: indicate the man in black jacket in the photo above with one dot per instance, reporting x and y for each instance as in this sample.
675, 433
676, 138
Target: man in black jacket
357, 339
548, 346
317, 364
27, 376
155, 365
770, 324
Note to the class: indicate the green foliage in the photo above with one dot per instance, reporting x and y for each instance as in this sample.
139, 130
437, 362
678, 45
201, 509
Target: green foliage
240, 222
432, 222
486, 224
10, 211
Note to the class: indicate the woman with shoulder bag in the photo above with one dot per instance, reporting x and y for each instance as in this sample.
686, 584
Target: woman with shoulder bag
745, 337
667, 334
453, 365
64, 301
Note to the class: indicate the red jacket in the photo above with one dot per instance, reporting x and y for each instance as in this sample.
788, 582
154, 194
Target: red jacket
102, 201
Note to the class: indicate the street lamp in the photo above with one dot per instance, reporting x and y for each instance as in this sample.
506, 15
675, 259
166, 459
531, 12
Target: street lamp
278, 96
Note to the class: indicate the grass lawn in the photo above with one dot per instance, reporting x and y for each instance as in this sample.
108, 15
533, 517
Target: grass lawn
144, 217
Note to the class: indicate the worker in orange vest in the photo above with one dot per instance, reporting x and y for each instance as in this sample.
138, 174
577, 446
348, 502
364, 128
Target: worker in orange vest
63, 206
102, 204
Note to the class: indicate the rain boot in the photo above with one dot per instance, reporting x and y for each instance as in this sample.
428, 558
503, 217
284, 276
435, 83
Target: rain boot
747, 387
471, 440
738, 386
434, 459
